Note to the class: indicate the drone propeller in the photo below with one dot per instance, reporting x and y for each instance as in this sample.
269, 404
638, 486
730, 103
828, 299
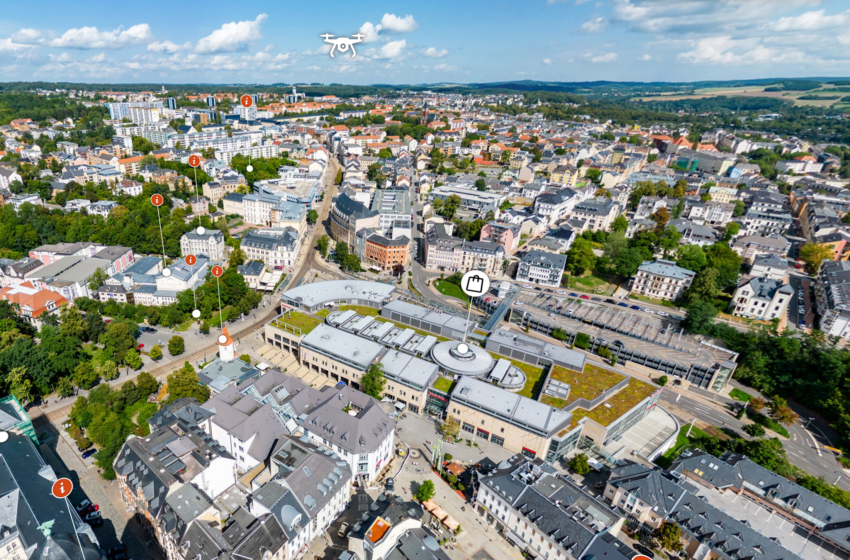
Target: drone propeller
327, 36
358, 36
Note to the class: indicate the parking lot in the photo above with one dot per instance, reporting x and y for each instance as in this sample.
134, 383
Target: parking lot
801, 314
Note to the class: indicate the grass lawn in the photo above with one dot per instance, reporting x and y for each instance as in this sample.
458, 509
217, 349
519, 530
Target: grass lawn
323, 313
682, 443
364, 310
534, 377
594, 283
184, 326
449, 289
299, 320
740, 395
663, 302
444, 384
767, 422
588, 384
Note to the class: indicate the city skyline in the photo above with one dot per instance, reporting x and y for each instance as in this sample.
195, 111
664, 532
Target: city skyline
548, 40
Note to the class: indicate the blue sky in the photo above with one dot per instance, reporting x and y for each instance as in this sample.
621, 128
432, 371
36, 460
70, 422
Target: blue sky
420, 42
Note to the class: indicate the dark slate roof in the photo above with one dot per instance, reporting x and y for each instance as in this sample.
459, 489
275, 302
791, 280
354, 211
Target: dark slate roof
543, 258
351, 207
650, 486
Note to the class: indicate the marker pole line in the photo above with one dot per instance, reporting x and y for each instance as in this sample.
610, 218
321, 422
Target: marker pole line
195, 169
220, 314
161, 238
79, 540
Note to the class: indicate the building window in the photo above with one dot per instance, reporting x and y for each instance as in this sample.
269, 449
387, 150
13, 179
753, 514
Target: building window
468, 428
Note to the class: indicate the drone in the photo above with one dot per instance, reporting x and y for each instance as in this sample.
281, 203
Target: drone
344, 43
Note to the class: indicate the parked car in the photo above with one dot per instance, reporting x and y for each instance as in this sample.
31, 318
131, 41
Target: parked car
618, 343
561, 292
663, 313
342, 530
551, 314
96, 522
390, 484
648, 310
528, 286
116, 549
584, 296
92, 515
644, 550
89, 453
611, 301
120, 556
573, 295
596, 299
635, 307
83, 505
621, 304
141, 345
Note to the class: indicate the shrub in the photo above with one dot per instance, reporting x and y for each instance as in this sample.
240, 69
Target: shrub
579, 464
447, 456
663, 380
604, 352
582, 340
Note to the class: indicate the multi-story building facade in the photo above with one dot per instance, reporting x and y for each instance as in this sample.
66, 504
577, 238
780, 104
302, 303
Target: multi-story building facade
761, 298
275, 247
540, 267
210, 243
348, 216
661, 280
832, 297
595, 214
505, 234
750, 246
556, 206
764, 223
451, 254
386, 253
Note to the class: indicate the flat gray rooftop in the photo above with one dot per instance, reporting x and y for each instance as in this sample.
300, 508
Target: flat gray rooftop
319, 293
342, 345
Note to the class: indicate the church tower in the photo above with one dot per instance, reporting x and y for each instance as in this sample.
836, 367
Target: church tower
226, 347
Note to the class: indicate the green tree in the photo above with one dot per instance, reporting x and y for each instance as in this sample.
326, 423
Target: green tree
703, 287
662, 381
184, 382
754, 430
64, 387
176, 345
133, 359
691, 257
813, 254
726, 261
72, 322
312, 217
579, 464
20, 385
323, 243
425, 491
699, 317
480, 184
373, 381
97, 279
669, 536
620, 223
237, 257
780, 411
739, 209
731, 230
669, 239
628, 261
85, 375
451, 427
109, 370
117, 340
580, 257
155, 352
204, 328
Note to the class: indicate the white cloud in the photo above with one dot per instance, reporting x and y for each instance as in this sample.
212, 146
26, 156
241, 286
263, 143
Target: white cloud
100, 57
432, 52
646, 57
168, 47
312, 68
594, 25
392, 22
443, 67
393, 49
810, 21
547, 61
9, 45
609, 57
724, 50
28, 37
233, 36
370, 31
92, 38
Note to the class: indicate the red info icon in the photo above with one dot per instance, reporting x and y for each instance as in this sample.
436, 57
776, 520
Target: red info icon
157, 200
191, 260
61, 488
217, 271
194, 160
246, 100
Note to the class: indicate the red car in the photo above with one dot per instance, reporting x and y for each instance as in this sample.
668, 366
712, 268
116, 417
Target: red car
584, 297
108, 321
140, 346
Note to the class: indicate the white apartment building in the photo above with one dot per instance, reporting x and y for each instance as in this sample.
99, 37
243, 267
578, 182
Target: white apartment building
257, 208
556, 206
761, 298
275, 247
711, 212
209, 243
766, 223
265, 151
541, 267
798, 166
145, 115
8, 176
661, 280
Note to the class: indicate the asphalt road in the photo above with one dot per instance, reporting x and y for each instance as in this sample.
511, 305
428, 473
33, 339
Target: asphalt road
799, 448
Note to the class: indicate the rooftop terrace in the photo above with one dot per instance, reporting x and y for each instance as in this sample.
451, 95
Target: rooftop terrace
301, 322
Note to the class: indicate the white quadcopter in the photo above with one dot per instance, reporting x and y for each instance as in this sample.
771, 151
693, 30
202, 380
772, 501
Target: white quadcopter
344, 43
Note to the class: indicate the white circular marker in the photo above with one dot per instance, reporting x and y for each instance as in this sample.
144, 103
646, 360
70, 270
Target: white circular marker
250, 168
462, 348
196, 314
4, 436
475, 283
166, 272
201, 230
222, 339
